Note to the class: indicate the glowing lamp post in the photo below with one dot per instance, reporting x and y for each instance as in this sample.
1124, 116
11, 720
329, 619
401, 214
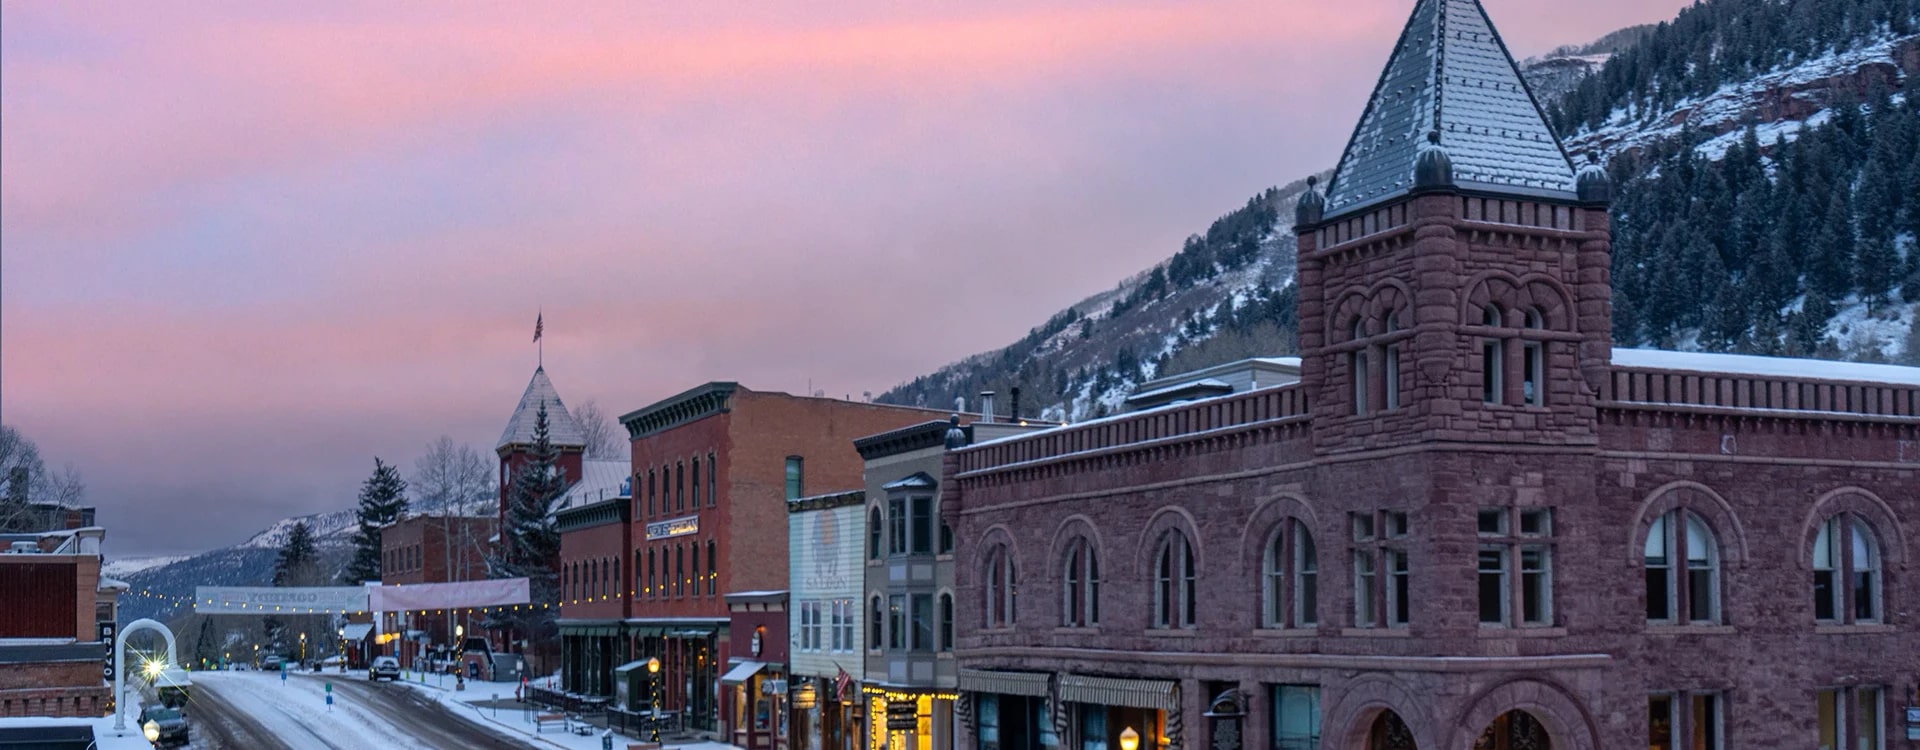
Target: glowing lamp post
1129, 739
151, 730
653, 687
459, 657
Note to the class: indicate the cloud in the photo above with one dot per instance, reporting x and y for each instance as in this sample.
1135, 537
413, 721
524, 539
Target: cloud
247, 247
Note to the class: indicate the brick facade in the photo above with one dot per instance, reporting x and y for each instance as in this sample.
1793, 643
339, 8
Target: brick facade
1446, 283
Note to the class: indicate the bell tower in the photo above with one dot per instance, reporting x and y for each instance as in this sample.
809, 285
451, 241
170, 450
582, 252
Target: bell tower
1454, 275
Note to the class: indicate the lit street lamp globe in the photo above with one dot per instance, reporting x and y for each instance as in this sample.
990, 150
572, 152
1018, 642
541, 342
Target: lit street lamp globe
152, 731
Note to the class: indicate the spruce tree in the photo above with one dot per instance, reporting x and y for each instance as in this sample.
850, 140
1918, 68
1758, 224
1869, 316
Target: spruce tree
530, 543
297, 557
383, 498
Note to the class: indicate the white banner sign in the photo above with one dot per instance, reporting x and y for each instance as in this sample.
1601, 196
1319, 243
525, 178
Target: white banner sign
256, 600
493, 593
673, 527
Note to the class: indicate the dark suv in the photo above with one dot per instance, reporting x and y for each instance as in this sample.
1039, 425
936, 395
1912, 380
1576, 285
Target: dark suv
385, 667
170, 725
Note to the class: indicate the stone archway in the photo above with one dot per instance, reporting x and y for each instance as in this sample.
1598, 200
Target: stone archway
1514, 730
1389, 732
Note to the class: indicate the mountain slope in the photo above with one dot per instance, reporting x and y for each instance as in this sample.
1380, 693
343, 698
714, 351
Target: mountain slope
1641, 97
156, 589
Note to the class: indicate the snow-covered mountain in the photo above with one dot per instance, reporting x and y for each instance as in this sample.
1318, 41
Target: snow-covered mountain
158, 583
1209, 303
329, 529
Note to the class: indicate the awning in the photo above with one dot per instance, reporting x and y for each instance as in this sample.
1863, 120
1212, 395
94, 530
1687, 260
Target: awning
357, 632
1030, 684
742, 672
1115, 691
590, 630
648, 631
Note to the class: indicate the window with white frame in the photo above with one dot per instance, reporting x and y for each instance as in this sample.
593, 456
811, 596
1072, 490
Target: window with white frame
1174, 596
897, 525
1291, 586
810, 625
1691, 720
1682, 559
1533, 363
1493, 358
1846, 571
1515, 563
1382, 571
1080, 601
1851, 717
999, 606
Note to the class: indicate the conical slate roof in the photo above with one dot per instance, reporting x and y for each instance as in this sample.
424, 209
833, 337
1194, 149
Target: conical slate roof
562, 428
1451, 74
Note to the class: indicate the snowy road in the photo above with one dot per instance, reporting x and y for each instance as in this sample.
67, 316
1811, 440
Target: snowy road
257, 710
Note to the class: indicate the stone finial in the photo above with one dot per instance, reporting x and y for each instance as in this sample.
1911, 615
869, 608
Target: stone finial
1432, 167
1592, 185
956, 437
1311, 205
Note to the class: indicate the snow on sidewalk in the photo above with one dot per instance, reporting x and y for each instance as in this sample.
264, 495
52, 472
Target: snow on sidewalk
295, 710
462, 704
104, 738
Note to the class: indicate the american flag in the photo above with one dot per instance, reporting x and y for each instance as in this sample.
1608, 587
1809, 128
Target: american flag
539, 322
841, 682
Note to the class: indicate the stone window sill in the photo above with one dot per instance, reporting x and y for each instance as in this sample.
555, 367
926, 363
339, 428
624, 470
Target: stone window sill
1690, 630
1286, 632
1172, 633
1076, 630
1854, 629
1496, 631
1375, 633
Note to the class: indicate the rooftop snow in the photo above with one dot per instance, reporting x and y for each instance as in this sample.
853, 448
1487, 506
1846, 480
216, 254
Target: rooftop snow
1450, 74
561, 427
599, 479
1747, 364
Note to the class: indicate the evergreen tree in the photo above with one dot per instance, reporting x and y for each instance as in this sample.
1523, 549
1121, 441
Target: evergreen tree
383, 498
530, 543
297, 557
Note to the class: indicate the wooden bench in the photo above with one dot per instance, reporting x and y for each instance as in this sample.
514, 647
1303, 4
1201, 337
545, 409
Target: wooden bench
540, 722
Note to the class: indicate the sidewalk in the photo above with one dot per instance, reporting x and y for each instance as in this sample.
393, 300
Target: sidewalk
493, 703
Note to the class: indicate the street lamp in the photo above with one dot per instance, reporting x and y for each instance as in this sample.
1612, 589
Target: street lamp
303, 648
653, 687
1129, 739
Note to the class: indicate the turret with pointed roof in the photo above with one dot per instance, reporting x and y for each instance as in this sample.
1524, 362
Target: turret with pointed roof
1454, 276
1450, 79
565, 431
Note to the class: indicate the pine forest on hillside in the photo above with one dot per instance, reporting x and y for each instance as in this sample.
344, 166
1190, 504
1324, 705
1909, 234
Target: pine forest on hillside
1787, 237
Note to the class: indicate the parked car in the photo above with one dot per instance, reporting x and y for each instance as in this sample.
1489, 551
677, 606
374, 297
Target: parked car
384, 667
272, 662
169, 725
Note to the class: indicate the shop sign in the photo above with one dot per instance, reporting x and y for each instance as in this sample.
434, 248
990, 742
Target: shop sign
903, 716
673, 527
773, 687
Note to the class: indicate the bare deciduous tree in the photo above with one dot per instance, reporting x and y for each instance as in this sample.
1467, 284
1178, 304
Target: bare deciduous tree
603, 436
454, 480
22, 470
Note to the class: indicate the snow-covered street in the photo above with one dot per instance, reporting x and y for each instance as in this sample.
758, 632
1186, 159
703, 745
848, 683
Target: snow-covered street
260, 709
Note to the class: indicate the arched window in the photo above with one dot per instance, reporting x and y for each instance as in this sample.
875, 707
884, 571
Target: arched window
1291, 589
651, 590
1677, 593
946, 621
1533, 364
1846, 571
1080, 607
1357, 365
1000, 600
1173, 579
713, 568
874, 527
1493, 358
1390, 359
876, 619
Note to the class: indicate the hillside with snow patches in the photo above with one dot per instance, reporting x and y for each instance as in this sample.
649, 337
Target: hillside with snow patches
1085, 360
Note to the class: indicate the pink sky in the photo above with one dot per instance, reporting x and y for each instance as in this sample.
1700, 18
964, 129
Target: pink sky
248, 247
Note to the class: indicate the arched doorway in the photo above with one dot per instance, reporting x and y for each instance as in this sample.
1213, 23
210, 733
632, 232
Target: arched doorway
1514, 730
1390, 733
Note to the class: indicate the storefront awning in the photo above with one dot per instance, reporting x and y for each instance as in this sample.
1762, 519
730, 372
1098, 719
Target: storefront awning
1116, 691
1030, 684
357, 632
742, 672
593, 629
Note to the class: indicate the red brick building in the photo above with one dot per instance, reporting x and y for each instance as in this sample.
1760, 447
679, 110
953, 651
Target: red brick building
712, 471
436, 549
56, 624
1472, 523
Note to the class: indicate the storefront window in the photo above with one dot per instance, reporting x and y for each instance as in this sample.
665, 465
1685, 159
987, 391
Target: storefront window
1093, 728
988, 716
1296, 717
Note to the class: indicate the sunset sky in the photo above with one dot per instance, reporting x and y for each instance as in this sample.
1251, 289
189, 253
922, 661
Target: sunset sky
248, 246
